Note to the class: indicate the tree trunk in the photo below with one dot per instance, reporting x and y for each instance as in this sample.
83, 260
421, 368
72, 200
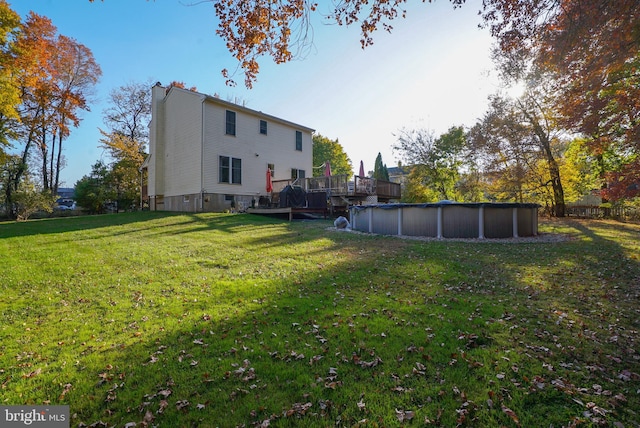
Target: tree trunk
43, 150
53, 152
603, 186
556, 184
554, 169
56, 183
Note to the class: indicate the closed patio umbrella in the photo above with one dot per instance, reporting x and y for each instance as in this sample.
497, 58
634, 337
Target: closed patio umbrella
361, 174
269, 184
327, 169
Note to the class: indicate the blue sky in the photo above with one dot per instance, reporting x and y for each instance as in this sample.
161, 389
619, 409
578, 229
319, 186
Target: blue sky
433, 71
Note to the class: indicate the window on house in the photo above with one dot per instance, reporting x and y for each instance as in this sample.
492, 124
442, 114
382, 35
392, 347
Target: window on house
230, 170
236, 171
272, 167
297, 173
231, 122
263, 127
299, 140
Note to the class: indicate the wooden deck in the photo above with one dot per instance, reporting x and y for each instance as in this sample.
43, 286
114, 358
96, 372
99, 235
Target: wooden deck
350, 190
288, 211
329, 195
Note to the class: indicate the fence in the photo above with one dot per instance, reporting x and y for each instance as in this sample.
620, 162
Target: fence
619, 212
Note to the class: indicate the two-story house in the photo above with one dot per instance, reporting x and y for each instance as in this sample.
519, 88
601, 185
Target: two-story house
206, 154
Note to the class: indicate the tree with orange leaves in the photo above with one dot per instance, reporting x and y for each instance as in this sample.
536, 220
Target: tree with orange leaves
75, 75
9, 93
592, 47
54, 75
281, 28
57, 75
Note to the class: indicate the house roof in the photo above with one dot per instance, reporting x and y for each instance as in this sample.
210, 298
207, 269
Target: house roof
237, 107
66, 192
399, 170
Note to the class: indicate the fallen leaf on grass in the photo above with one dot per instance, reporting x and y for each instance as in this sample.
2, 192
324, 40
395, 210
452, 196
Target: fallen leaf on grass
332, 385
163, 405
148, 418
369, 364
152, 359
181, 404
298, 409
297, 356
32, 374
66, 389
405, 415
511, 414
165, 392
315, 359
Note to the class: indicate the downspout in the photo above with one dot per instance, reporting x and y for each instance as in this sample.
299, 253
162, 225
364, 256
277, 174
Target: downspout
202, 159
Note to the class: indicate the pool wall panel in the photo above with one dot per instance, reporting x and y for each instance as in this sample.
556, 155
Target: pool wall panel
418, 221
498, 223
458, 220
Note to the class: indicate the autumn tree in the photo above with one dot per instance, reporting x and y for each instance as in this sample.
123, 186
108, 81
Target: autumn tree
9, 91
515, 137
327, 150
76, 73
30, 198
123, 179
505, 162
579, 169
34, 47
436, 161
126, 140
591, 47
281, 29
130, 111
54, 75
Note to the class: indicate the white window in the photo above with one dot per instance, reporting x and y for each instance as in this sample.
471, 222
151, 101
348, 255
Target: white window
230, 170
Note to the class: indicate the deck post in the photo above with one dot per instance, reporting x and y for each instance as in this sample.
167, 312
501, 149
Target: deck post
352, 218
514, 219
481, 222
439, 232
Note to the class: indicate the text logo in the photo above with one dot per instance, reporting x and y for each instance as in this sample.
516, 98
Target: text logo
34, 416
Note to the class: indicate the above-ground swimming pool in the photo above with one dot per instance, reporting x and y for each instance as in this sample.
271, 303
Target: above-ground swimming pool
447, 219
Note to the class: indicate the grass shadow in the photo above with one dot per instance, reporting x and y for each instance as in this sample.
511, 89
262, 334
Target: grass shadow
206, 320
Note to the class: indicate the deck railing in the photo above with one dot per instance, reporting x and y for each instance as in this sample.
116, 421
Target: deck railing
334, 184
341, 185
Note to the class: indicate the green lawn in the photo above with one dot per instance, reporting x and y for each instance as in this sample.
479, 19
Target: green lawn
183, 320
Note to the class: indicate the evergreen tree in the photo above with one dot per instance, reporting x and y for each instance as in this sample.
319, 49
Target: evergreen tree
380, 171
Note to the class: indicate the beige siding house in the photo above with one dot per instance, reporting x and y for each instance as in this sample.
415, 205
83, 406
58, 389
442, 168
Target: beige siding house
206, 153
